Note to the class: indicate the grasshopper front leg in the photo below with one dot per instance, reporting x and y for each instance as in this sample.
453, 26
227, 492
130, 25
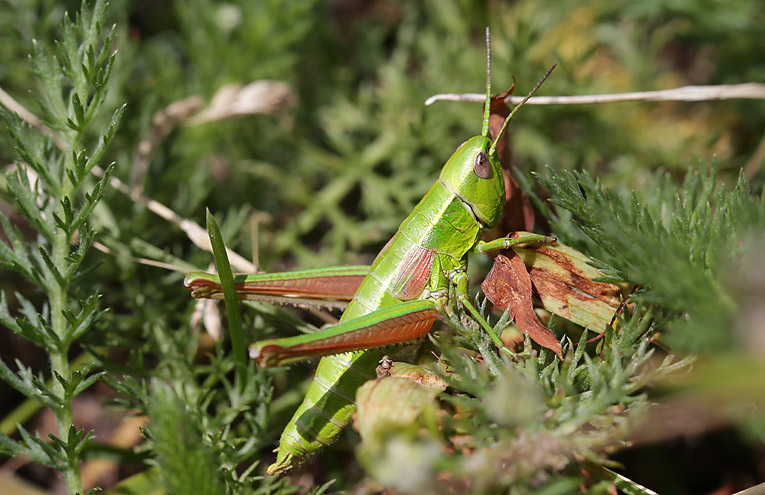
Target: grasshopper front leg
459, 278
517, 239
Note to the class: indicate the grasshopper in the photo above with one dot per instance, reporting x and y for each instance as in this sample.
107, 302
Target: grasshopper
395, 300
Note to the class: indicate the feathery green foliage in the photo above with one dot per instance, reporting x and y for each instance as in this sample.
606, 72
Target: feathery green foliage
52, 190
681, 244
187, 463
518, 429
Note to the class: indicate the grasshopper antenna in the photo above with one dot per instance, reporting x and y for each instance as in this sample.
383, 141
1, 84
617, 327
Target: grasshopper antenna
487, 105
519, 105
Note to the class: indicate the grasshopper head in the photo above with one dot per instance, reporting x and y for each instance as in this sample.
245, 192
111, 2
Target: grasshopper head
475, 176
473, 173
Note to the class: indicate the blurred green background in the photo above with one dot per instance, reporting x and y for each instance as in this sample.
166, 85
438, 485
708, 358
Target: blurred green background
338, 170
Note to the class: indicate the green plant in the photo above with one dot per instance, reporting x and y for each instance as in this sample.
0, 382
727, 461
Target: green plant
681, 244
52, 189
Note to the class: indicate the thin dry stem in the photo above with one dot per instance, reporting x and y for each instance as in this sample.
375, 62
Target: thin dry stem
752, 90
144, 261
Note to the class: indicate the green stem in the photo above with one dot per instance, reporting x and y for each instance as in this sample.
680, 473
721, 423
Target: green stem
70, 470
59, 358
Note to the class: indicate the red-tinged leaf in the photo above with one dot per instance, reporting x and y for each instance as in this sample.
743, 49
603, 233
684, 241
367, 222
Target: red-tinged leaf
508, 286
518, 214
562, 277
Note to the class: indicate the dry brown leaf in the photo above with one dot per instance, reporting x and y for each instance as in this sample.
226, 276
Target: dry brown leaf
563, 279
508, 286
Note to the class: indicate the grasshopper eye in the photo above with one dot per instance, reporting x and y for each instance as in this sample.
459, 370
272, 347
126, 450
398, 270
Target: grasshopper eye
482, 167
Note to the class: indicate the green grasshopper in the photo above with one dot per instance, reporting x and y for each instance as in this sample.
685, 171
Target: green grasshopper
395, 300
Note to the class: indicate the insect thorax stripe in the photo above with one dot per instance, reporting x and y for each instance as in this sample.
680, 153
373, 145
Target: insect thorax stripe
319, 412
347, 365
330, 388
